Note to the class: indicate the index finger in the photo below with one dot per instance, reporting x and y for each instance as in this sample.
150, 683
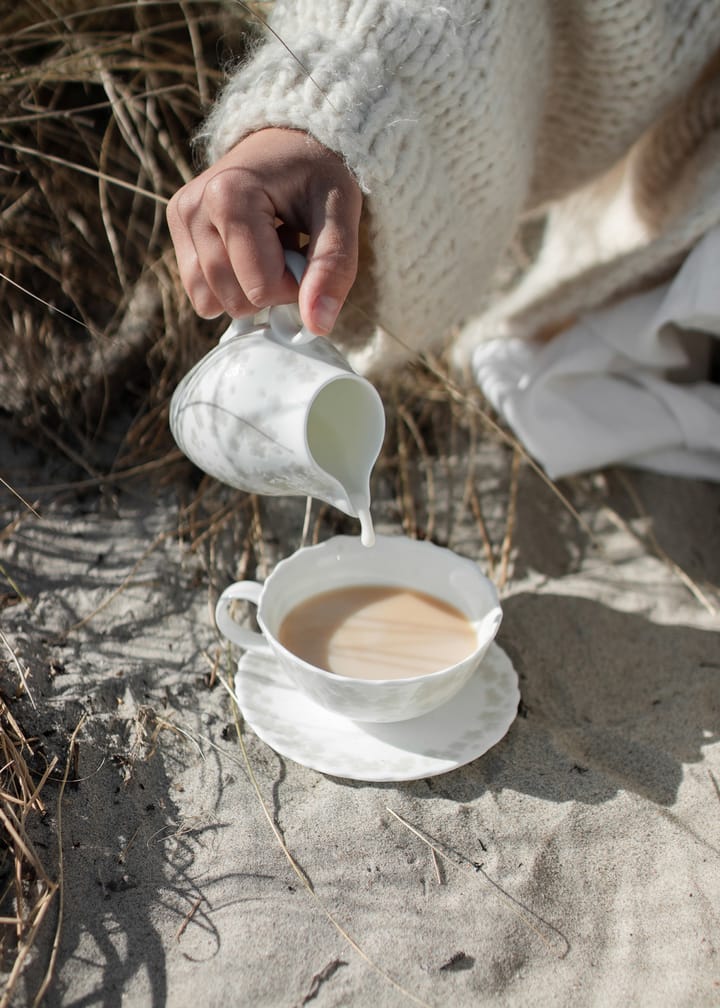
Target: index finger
244, 217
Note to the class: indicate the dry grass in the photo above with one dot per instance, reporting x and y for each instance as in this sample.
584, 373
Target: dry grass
98, 103
28, 888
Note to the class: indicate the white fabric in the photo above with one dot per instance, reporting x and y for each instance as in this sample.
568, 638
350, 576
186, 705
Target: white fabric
603, 392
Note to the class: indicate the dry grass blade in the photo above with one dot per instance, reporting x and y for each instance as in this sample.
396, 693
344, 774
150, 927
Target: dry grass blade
457, 395
95, 173
98, 103
510, 521
692, 586
518, 910
27, 889
20, 670
429, 497
19, 496
71, 758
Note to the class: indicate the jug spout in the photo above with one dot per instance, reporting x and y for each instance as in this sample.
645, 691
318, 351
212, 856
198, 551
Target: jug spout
344, 431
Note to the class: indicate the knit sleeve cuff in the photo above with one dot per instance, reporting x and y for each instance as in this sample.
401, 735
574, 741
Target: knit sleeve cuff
340, 77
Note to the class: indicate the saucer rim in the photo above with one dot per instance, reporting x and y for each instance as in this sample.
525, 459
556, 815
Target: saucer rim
441, 766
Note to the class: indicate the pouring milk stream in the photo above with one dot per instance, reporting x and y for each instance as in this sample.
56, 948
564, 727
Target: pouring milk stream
277, 410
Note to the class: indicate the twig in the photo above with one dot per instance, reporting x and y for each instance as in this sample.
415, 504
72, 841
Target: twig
188, 917
112, 478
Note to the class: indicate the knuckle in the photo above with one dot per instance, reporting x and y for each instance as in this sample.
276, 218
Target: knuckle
236, 304
238, 310
204, 301
215, 191
337, 269
223, 190
260, 294
183, 206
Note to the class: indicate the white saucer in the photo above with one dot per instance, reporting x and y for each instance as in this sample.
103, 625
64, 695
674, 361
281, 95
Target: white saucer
469, 724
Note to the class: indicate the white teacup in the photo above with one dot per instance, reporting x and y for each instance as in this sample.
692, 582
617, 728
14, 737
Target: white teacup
343, 562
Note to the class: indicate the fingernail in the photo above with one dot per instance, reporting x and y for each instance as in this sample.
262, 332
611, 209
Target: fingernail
325, 313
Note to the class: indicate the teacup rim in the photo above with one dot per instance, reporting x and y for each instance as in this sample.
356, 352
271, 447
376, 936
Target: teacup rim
477, 653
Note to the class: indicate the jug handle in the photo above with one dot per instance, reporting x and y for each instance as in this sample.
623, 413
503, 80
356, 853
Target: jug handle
285, 320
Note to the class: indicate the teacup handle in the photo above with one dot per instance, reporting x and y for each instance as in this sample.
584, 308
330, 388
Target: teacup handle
249, 591
285, 320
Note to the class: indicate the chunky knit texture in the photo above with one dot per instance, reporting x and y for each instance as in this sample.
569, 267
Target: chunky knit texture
459, 119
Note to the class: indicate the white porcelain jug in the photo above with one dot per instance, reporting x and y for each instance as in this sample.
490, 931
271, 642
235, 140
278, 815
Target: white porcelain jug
277, 410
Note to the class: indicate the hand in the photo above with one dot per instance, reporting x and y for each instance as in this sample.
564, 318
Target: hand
227, 226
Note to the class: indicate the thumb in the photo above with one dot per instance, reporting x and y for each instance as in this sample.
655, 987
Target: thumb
332, 261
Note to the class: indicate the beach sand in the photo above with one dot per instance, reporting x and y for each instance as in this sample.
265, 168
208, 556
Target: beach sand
575, 863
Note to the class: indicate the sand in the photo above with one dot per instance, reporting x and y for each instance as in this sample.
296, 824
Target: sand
575, 863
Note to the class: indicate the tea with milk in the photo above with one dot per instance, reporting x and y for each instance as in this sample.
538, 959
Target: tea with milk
377, 632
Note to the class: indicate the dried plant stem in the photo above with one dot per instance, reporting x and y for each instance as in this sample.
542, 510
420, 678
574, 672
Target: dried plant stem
469, 487
22, 500
84, 170
321, 515
258, 539
215, 523
692, 586
407, 498
19, 797
412, 426
510, 520
196, 46
482, 527
40, 910
306, 522
119, 476
72, 755
13, 584
187, 918
473, 870
20, 670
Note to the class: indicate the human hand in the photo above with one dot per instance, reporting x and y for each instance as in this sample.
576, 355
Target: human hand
228, 226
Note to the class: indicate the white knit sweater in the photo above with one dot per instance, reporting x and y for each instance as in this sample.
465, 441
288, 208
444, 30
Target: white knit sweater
460, 118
